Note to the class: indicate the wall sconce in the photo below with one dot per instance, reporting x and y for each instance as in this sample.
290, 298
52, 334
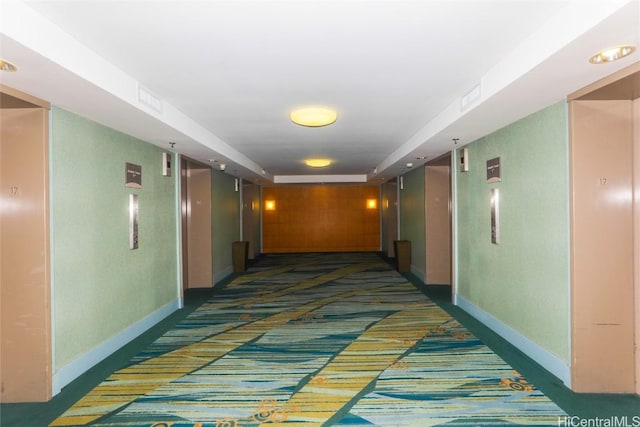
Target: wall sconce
269, 205
372, 203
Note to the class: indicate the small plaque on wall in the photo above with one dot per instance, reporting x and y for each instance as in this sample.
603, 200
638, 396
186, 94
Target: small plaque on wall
493, 170
133, 175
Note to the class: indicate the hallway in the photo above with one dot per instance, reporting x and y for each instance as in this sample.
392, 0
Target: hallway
330, 339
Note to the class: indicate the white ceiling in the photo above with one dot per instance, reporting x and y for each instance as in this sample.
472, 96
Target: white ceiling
225, 74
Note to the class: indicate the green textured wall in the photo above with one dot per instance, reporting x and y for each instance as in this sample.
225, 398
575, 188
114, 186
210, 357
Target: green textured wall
412, 217
225, 225
101, 286
523, 281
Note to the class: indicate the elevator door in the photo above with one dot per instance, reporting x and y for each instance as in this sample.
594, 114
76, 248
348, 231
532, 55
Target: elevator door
602, 246
196, 225
25, 370
438, 221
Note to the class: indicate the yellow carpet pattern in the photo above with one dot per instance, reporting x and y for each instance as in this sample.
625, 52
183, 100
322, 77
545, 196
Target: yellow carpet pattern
315, 340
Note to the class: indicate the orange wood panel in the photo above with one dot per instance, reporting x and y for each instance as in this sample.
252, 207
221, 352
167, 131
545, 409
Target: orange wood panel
321, 218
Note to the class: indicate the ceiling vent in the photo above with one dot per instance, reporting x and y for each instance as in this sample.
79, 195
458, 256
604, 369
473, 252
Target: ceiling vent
470, 97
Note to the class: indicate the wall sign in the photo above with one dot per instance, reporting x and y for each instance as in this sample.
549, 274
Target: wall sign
493, 170
133, 175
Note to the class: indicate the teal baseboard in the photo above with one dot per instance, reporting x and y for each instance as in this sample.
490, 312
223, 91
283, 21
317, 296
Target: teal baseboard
223, 274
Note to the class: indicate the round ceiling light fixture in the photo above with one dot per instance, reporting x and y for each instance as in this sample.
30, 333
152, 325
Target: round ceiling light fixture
313, 116
7, 66
612, 54
317, 163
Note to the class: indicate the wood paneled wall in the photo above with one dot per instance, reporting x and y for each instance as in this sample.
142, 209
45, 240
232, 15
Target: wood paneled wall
321, 218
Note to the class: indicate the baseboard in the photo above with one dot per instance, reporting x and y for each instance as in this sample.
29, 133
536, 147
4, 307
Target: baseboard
223, 274
543, 357
420, 274
82, 364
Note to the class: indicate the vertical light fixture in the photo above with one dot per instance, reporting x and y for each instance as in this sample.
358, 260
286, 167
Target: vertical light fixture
372, 203
133, 221
269, 205
495, 216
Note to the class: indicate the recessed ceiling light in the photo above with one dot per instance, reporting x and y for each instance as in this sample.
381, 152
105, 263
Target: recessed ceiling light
313, 116
612, 54
317, 163
7, 66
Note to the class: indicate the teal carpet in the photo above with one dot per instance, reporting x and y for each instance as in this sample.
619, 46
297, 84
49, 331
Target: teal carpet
329, 339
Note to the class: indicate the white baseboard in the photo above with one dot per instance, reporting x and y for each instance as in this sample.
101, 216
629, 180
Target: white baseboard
543, 357
79, 366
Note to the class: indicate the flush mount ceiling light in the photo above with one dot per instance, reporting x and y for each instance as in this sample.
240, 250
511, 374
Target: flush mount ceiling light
612, 54
313, 116
7, 66
317, 163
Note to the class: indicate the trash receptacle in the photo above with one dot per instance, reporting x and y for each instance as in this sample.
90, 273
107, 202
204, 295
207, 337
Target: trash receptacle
239, 255
402, 249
